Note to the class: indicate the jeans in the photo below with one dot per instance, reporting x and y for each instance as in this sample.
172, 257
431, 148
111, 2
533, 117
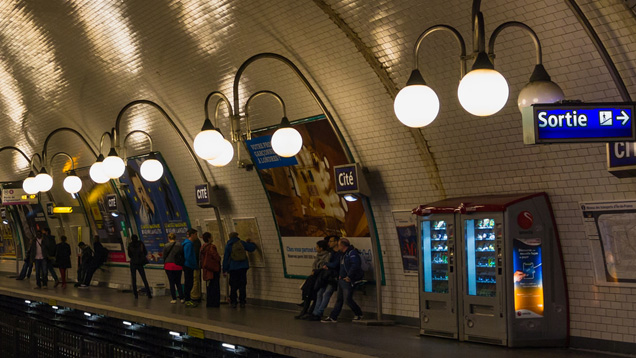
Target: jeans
27, 267
213, 291
90, 271
238, 282
188, 278
174, 280
195, 294
133, 276
40, 272
345, 293
322, 299
51, 269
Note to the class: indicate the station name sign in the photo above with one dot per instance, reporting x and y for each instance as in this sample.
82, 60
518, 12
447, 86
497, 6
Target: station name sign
350, 179
580, 123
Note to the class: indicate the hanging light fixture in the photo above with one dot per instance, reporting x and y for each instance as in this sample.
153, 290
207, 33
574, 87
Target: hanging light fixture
208, 143
72, 183
226, 157
113, 166
286, 141
151, 169
483, 91
43, 181
29, 185
97, 171
416, 105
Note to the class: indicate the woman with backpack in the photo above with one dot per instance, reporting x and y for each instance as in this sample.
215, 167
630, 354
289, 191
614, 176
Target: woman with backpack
173, 261
236, 264
138, 258
211, 271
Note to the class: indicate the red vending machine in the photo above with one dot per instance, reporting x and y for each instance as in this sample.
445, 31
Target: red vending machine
491, 271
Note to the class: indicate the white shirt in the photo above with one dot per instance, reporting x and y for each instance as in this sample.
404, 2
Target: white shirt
38, 249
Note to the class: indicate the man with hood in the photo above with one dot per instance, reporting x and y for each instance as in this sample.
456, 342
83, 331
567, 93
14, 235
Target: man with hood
235, 263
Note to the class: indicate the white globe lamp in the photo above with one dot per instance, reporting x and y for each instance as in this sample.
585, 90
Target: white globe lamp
226, 157
97, 171
286, 141
207, 144
44, 181
540, 89
29, 185
72, 183
483, 91
416, 105
113, 166
151, 169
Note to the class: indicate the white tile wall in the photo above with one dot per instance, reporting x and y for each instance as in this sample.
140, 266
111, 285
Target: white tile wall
179, 51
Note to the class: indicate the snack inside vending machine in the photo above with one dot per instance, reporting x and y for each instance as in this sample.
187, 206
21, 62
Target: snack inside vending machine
491, 271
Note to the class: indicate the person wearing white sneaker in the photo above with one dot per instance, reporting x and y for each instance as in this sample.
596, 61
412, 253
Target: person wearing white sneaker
350, 272
173, 302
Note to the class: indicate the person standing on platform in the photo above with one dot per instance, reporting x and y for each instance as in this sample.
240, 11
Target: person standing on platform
27, 267
138, 258
99, 258
173, 261
196, 274
211, 271
350, 272
63, 258
235, 263
329, 275
191, 264
39, 253
85, 262
49, 241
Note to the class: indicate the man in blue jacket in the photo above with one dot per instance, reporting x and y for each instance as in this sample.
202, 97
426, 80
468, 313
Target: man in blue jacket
350, 272
236, 264
191, 264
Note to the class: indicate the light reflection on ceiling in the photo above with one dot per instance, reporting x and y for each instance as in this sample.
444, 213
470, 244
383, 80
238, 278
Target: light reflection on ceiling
110, 33
206, 21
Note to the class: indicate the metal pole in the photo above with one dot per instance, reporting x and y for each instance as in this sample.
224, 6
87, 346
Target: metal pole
377, 269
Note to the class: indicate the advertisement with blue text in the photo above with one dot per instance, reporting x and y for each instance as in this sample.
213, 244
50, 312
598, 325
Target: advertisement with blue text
158, 207
528, 278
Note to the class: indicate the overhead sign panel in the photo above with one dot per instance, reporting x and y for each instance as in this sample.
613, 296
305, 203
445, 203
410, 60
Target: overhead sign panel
580, 123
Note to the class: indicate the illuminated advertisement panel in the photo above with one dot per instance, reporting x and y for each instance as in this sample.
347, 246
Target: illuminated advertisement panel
528, 278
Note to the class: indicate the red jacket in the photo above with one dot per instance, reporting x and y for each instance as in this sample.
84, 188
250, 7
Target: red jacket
210, 261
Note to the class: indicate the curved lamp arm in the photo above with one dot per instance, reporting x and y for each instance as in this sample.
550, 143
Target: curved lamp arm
435, 28
19, 151
303, 79
135, 132
32, 164
521, 25
172, 124
66, 129
101, 141
66, 155
222, 99
248, 128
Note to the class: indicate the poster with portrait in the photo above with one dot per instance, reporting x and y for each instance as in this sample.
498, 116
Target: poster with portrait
248, 229
110, 229
304, 199
212, 226
405, 224
157, 207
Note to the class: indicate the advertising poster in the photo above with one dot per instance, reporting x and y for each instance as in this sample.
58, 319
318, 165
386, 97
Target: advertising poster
610, 227
7, 239
157, 207
248, 229
304, 200
405, 223
110, 229
528, 278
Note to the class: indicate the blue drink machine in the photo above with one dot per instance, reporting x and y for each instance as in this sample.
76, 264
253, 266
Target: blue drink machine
491, 271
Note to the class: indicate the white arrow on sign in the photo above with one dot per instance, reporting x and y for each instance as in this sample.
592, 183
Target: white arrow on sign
623, 117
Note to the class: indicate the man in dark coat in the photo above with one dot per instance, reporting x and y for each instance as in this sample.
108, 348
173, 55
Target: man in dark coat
49, 241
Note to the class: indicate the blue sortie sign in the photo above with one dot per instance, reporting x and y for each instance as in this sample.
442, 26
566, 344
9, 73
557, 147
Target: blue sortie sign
585, 122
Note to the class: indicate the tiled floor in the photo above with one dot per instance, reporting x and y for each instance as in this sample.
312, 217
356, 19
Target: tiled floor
254, 322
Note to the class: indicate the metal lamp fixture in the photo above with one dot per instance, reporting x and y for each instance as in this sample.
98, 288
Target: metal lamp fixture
210, 144
29, 185
286, 141
113, 166
72, 183
481, 92
151, 169
97, 171
43, 180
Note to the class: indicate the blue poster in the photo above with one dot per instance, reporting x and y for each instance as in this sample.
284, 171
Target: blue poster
157, 207
264, 156
528, 278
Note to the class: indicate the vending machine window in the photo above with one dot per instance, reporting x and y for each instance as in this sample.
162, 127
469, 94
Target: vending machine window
435, 256
481, 270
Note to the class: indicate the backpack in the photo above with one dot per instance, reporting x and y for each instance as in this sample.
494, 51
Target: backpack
102, 254
211, 260
179, 257
364, 264
238, 252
